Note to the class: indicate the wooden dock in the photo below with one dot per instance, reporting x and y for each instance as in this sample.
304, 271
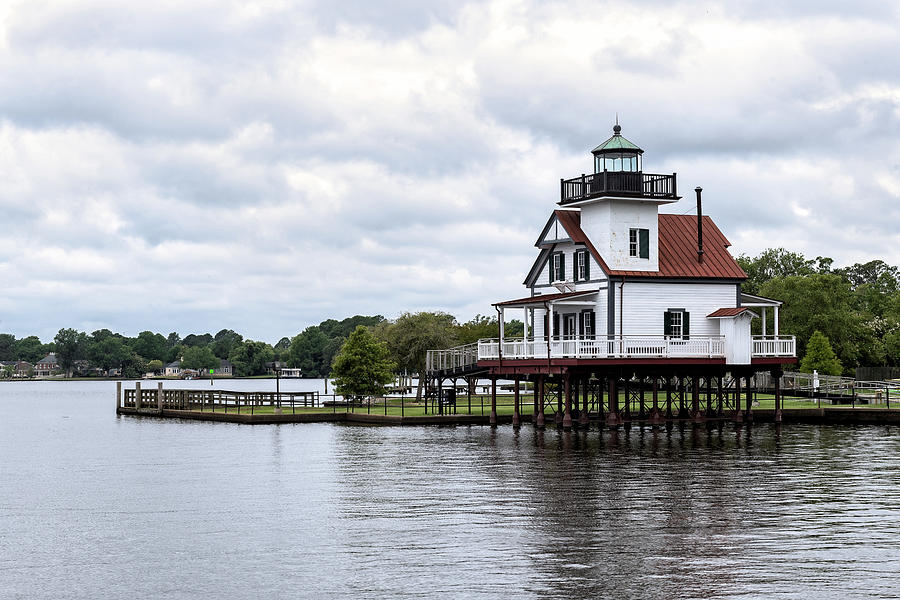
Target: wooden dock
311, 407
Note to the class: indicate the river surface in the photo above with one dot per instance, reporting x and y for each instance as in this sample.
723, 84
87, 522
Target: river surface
98, 506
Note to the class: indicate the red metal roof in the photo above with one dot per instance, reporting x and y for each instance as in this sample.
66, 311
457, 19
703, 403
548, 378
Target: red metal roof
677, 249
727, 312
544, 298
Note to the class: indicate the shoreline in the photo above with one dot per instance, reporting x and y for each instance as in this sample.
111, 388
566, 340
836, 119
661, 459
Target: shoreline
815, 416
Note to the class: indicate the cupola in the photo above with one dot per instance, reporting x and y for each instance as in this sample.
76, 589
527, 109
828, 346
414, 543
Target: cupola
617, 154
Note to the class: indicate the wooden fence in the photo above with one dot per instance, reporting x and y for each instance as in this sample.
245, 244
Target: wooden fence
216, 400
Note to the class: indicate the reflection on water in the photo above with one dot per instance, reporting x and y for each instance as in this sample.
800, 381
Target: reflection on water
97, 505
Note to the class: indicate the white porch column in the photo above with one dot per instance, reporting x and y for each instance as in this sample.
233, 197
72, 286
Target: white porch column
525, 323
776, 321
502, 324
763, 311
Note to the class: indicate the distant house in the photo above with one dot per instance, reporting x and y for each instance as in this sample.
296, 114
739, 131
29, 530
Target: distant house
225, 369
47, 366
291, 372
83, 368
279, 365
173, 369
23, 369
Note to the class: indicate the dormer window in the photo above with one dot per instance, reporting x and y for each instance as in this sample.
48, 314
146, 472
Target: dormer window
639, 243
557, 267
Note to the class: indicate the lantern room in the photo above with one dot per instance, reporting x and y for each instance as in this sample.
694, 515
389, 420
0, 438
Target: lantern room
617, 154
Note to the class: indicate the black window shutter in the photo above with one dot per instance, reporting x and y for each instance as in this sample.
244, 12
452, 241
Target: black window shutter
562, 266
667, 323
645, 242
581, 325
550, 267
686, 324
555, 324
587, 265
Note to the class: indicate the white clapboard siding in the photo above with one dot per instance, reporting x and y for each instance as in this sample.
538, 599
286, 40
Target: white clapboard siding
645, 304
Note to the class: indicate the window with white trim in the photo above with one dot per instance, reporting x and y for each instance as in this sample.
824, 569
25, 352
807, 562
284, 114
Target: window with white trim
639, 243
557, 267
581, 266
675, 324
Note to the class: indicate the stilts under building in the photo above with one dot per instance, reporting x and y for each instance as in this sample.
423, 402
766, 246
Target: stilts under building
632, 314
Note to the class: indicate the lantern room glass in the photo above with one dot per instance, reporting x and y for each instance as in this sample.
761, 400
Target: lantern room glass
619, 161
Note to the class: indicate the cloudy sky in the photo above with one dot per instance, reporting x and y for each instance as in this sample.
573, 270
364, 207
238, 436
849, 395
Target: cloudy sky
261, 166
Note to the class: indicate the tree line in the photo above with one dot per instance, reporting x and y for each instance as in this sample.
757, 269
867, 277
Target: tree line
856, 309
312, 350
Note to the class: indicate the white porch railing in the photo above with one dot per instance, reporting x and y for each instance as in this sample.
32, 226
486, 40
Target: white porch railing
632, 346
452, 358
774, 346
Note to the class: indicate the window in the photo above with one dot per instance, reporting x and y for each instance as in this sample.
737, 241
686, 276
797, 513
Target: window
676, 323
639, 243
557, 267
587, 323
582, 266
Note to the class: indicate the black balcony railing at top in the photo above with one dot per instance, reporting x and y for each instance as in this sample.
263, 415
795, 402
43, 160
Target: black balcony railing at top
642, 185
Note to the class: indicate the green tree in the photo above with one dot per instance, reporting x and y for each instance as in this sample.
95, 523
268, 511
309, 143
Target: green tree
133, 366
820, 356
173, 340
200, 358
107, 352
250, 358
819, 302
155, 365
777, 263
226, 341
70, 346
282, 348
480, 327
308, 349
363, 366
31, 349
412, 335
174, 353
7, 346
151, 346
194, 339
7, 371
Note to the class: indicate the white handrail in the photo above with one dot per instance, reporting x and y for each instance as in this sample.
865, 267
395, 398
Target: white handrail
602, 347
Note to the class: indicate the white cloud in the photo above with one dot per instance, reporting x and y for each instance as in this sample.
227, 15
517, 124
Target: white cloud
263, 166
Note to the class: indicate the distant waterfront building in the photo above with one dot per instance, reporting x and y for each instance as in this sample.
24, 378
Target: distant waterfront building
225, 369
47, 366
20, 368
173, 369
620, 293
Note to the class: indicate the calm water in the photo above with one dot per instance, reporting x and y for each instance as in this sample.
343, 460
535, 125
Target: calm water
93, 505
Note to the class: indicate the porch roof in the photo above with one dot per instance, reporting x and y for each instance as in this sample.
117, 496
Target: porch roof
544, 298
729, 313
752, 300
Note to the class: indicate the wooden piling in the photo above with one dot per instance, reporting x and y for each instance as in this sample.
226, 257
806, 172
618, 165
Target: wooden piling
515, 420
137, 395
539, 421
493, 417
118, 395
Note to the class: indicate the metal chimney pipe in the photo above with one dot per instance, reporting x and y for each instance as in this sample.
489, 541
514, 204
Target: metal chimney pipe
699, 189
